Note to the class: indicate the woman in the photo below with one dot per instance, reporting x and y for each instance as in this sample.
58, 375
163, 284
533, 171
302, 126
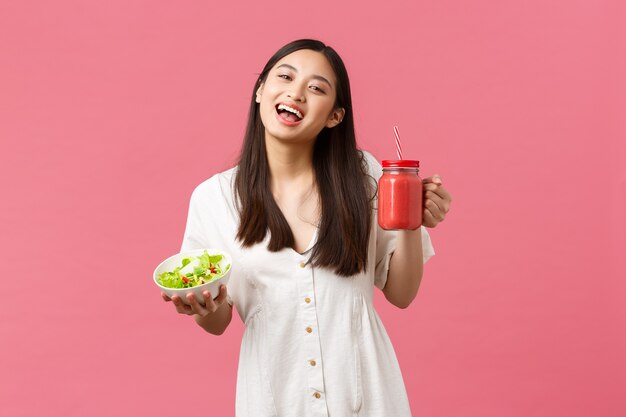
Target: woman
296, 213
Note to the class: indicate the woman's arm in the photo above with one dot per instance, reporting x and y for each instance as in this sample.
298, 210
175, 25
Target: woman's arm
407, 262
405, 269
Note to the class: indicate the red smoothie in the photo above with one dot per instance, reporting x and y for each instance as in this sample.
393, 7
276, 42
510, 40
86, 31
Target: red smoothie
400, 196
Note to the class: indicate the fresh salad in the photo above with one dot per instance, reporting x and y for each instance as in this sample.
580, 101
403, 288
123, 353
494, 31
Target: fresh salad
205, 268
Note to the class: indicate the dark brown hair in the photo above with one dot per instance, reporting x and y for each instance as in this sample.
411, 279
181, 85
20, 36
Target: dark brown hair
340, 174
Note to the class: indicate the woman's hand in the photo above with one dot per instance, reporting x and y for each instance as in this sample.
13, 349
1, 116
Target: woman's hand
436, 201
210, 305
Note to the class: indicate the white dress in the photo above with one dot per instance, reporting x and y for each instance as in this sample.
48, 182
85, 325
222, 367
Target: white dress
313, 344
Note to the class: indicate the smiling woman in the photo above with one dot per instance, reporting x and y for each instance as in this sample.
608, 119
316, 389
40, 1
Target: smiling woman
297, 215
293, 79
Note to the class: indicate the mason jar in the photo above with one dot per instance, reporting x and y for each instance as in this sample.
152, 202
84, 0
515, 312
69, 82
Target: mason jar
400, 195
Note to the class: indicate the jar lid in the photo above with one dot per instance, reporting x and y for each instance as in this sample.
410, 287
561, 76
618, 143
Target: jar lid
401, 163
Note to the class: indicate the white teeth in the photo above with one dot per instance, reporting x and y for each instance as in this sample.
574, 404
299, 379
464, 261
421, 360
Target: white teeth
289, 109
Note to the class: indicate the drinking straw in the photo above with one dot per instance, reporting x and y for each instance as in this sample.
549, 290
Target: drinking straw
398, 145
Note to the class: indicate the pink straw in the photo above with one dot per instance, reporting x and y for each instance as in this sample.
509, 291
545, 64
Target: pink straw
398, 145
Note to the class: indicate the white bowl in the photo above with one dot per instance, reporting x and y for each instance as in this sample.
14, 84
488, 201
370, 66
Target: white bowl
175, 261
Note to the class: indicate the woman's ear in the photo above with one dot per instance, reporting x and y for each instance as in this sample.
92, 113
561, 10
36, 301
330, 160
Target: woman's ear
259, 92
335, 117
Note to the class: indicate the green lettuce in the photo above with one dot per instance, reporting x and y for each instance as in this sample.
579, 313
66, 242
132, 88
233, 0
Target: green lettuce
207, 269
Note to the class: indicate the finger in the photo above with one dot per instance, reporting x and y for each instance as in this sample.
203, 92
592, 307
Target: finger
221, 296
430, 187
429, 219
442, 204
195, 305
210, 303
176, 300
435, 179
181, 307
440, 191
434, 210
432, 196
444, 194
165, 297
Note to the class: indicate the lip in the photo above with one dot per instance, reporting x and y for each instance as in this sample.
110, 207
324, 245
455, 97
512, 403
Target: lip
293, 106
285, 121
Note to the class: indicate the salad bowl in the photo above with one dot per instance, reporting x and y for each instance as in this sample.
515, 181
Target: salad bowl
193, 272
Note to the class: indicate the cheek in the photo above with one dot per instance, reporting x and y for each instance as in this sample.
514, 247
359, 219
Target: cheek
327, 116
270, 89
322, 110
268, 99
266, 112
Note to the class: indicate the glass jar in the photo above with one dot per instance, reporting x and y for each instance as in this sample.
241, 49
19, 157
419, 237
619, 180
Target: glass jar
400, 195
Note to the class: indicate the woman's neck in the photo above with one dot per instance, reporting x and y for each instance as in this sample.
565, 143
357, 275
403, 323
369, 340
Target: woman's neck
289, 164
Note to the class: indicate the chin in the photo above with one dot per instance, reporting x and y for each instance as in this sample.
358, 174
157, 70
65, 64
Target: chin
290, 137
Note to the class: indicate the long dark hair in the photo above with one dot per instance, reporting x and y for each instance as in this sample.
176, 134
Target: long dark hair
340, 173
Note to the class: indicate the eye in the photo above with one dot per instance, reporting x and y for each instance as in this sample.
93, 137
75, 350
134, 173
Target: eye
316, 88
284, 76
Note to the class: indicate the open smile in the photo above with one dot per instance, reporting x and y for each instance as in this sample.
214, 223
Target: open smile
289, 114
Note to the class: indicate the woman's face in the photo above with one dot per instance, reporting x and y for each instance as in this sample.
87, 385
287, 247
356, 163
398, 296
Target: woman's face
303, 83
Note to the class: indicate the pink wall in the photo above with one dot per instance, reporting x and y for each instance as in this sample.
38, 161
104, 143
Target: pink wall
112, 112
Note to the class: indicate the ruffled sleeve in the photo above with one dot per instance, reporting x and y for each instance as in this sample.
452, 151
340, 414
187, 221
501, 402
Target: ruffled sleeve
386, 245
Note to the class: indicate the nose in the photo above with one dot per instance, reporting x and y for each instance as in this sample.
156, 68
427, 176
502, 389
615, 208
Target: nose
296, 94
296, 97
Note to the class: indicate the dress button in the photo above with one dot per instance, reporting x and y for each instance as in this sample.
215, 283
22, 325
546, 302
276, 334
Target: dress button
308, 330
317, 395
307, 300
312, 362
302, 264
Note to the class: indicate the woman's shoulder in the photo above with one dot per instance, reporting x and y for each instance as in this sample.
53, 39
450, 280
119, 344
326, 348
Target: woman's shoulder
370, 159
218, 187
372, 166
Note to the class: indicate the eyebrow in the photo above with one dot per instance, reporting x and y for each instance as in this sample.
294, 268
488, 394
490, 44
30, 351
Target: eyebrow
316, 77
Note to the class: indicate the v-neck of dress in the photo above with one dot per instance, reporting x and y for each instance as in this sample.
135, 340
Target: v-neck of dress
311, 243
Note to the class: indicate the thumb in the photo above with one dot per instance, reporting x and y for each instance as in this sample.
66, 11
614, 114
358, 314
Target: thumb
435, 179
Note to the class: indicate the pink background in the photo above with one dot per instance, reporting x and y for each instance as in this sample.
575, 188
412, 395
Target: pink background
111, 112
